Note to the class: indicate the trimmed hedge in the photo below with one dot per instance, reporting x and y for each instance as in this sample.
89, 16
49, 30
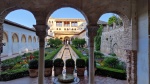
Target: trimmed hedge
14, 74
110, 72
79, 53
52, 54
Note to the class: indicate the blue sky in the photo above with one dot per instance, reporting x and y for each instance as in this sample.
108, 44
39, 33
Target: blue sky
27, 19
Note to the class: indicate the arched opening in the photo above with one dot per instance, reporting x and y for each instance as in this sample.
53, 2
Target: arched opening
66, 40
15, 44
29, 39
15, 38
34, 39
109, 42
23, 39
5, 46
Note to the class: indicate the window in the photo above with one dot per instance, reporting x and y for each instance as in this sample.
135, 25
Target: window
59, 24
74, 24
67, 24
64, 28
59, 28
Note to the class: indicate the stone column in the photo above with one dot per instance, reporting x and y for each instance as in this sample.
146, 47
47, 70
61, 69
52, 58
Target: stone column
10, 43
131, 66
92, 31
41, 32
1, 36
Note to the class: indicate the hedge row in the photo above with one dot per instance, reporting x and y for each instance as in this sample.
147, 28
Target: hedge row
14, 74
79, 53
104, 71
23, 72
52, 54
110, 72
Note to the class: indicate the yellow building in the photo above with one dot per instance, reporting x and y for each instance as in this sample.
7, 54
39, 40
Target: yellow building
67, 29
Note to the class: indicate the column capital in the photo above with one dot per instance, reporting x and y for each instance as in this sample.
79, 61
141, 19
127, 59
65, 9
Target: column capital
92, 30
41, 30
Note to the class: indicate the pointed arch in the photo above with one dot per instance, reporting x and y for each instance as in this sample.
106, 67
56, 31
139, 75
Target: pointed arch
15, 38
29, 39
23, 39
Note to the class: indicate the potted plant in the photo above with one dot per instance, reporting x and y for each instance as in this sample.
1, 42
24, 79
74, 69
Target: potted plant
80, 64
58, 66
48, 67
33, 68
87, 66
70, 66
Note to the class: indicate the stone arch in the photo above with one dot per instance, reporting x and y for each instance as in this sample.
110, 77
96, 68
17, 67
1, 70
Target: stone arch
23, 39
71, 6
29, 39
34, 39
15, 38
6, 11
124, 17
5, 37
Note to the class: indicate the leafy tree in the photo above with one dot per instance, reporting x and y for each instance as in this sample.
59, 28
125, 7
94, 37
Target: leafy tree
54, 42
97, 38
57, 42
112, 20
78, 42
115, 19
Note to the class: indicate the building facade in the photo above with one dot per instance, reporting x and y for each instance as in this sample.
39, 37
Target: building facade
67, 29
18, 39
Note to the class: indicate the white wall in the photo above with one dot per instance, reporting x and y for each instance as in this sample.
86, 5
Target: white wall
143, 43
18, 48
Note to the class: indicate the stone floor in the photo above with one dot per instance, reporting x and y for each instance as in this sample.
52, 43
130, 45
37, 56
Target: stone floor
83, 80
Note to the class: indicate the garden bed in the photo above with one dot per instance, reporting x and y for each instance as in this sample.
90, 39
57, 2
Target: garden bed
18, 67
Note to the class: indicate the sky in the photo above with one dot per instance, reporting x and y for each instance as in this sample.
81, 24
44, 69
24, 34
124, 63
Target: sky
26, 18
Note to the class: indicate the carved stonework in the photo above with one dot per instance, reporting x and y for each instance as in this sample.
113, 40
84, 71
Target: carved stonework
92, 31
131, 66
41, 32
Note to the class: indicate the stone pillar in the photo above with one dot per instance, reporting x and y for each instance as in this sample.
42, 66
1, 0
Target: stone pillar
41, 32
10, 43
131, 66
92, 31
1, 36
19, 43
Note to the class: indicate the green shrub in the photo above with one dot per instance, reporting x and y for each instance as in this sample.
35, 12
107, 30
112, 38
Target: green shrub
112, 54
70, 63
110, 72
79, 53
80, 63
51, 55
58, 62
110, 62
14, 74
33, 64
48, 63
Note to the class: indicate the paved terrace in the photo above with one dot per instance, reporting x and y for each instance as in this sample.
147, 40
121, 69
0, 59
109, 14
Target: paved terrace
65, 53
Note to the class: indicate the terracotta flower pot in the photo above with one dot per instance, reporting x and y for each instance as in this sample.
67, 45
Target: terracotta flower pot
33, 73
80, 71
58, 71
69, 70
48, 72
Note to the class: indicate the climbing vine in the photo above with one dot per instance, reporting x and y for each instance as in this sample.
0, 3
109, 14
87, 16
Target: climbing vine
97, 38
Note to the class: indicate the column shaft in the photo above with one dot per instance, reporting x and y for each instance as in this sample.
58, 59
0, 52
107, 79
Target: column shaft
41, 61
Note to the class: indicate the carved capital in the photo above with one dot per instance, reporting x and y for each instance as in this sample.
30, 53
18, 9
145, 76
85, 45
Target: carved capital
92, 31
41, 31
